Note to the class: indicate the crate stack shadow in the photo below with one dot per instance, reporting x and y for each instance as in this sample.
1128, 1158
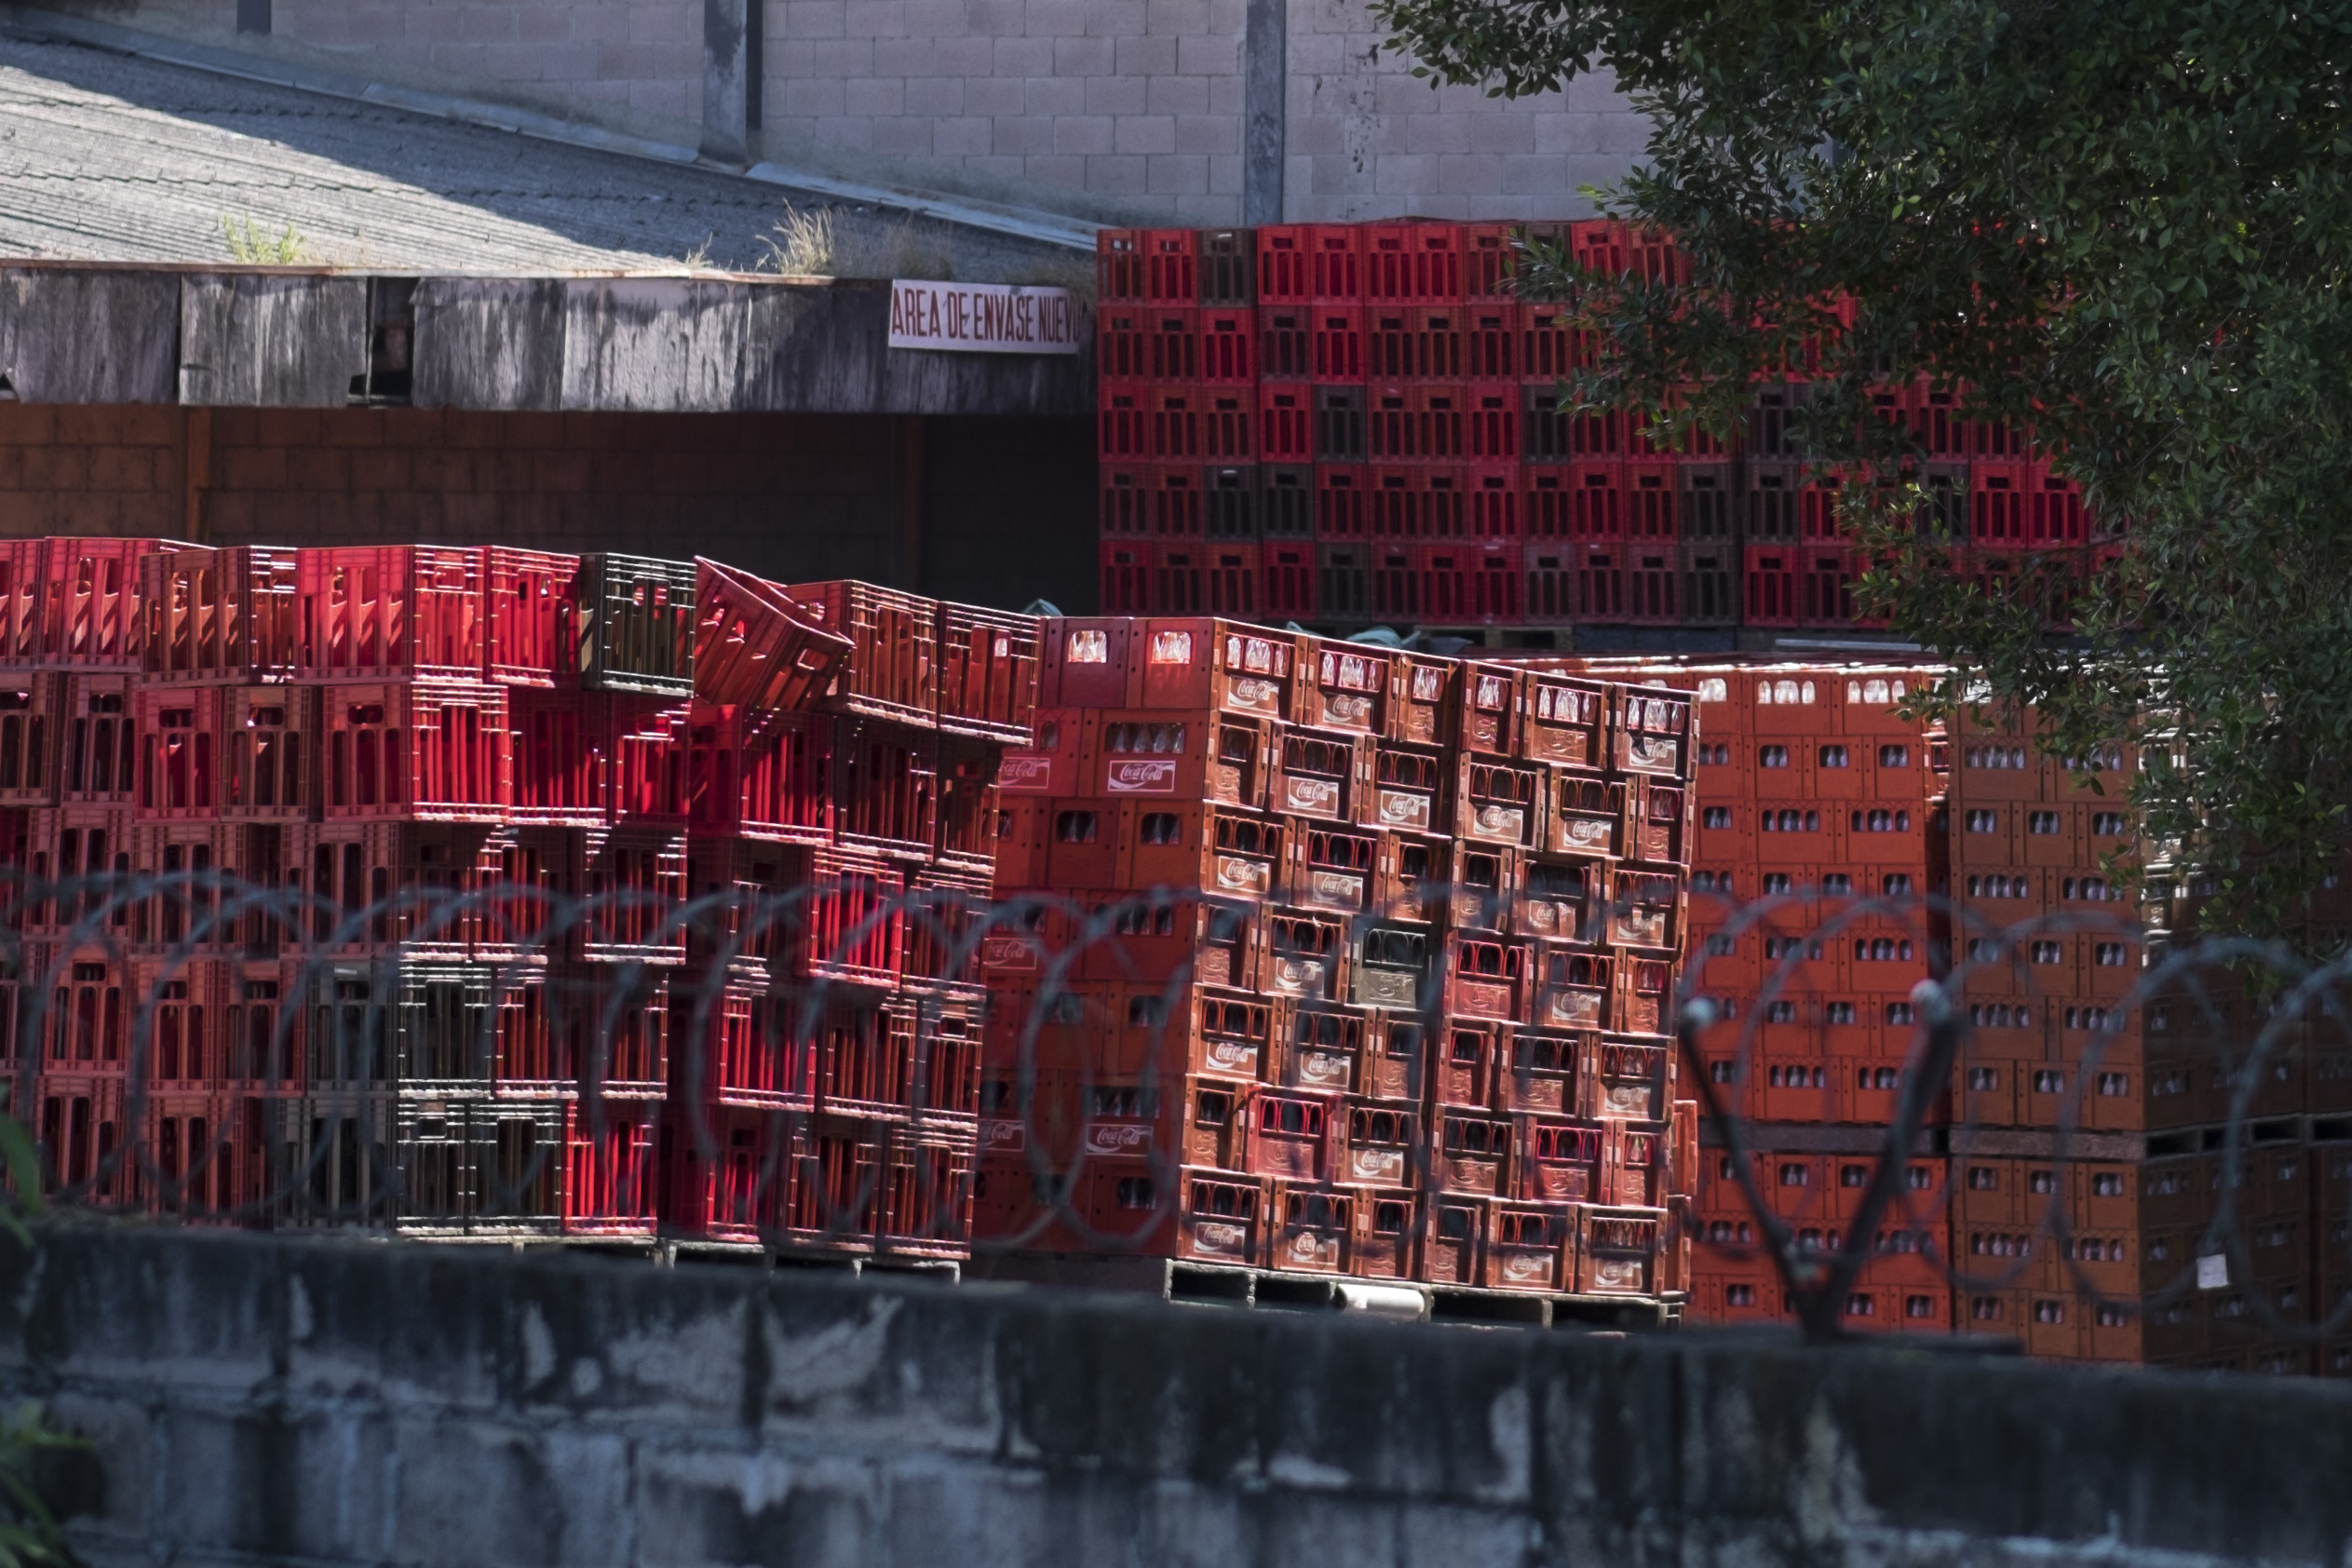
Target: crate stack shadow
403, 841
1330, 961
1348, 424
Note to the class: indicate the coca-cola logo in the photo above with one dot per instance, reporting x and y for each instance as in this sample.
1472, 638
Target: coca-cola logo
1255, 694
1616, 1274
1379, 1165
1521, 1265
1574, 1007
1154, 778
1401, 810
1232, 1055
1312, 795
1305, 1245
1008, 952
1338, 707
1316, 1067
1630, 1100
1118, 1137
1584, 830
1657, 754
1025, 775
1490, 1000
1335, 888
1214, 1235
1238, 875
1009, 1135
1500, 822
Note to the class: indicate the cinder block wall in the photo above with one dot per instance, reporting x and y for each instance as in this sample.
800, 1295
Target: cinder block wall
1120, 110
993, 510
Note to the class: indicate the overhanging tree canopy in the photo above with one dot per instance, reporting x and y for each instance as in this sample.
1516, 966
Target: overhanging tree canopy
2126, 224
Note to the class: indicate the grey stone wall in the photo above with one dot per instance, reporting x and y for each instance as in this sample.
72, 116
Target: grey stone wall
256, 1400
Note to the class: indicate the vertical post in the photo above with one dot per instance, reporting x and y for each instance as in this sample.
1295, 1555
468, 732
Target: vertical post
1265, 90
196, 471
726, 73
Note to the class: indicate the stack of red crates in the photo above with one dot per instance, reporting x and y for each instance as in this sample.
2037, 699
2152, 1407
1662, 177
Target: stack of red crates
359, 726
1349, 424
1366, 953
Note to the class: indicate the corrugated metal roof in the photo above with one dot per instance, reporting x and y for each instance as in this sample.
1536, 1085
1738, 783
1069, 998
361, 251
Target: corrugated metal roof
109, 158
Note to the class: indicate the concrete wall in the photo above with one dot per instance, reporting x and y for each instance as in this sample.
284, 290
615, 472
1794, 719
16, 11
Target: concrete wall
1121, 110
252, 1400
993, 510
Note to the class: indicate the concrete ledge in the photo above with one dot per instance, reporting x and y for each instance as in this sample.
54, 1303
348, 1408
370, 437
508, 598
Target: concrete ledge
254, 1399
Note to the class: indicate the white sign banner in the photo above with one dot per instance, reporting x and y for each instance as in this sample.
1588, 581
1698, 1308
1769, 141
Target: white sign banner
983, 318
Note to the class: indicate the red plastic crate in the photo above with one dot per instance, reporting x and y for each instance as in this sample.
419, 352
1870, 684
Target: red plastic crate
770, 780
1579, 501
1228, 266
1490, 260
1308, 262
90, 602
1126, 492
1600, 582
32, 739
1285, 342
1174, 498
1998, 496
562, 746
181, 753
1493, 421
1651, 493
1493, 491
393, 611
1817, 508
1228, 347
528, 601
271, 771
1147, 343
1286, 424
1549, 346
754, 646
1413, 264
1337, 347
1653, 257
609, 1187
1157, 267
1395, 575
1339, 423
1342, 502
1598, 246
1123, 423
1653, 572
1420, 501
1825, 587
648, 760
891, 671
1550, 597
1418, 422
2054, 517
1119, 264
1173, 416
1555, 432
1179, 581
230, 614
1230, 501
1472, 583
1489, 341
20, 579
1287, 574
1229, 424
418, 750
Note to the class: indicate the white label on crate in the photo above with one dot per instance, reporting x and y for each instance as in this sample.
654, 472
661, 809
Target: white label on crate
2213, 1272
1306, 1246
1118, 1137
1238, 875
1399, 809
1011, 1136
1576, 1008
1586, 830
1486, 1001
1232, 1056
1343, 708
1335, 889
1298, 976
1321, 1068
1256, 696
1616, 1274
1154, 778
1649, 751
1630, 1100
1214, 1235
1378, 1165
1507, 823
982, 318
1526, 1265
1025, 775
1640, 928
1008, 952
1318, 797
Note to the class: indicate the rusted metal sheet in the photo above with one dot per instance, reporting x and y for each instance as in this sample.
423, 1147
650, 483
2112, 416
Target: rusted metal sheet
271, 340
95, 336
489, 343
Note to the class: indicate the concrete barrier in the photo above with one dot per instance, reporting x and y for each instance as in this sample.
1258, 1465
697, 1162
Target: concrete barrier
254, 1399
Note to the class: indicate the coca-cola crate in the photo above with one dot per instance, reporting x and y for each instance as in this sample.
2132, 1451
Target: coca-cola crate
1218, 665
1453, 1242
1285, 344
968, 803
1486, 709
1159, 266
1769, 594
1574, 988
1408, 789
1619, 1250
1304, 956
528, 600
988, 672
1228, 346
228, 614
272, 770
436, 750
1344, 686
892, 669
1470, 1154
397, 611
1231, 1033
1413, 263
1287, 1135
1137, 344
609, 1169
1645, 911
1314, 1230
1566, 721
1317, 775
753, 647
1588, 815
1418, 501
1220, 849
1418, 422
32, 739
1657, 826
636, 620
1339, 423
88, 601
1472, 583
1389, 966
1287, 501
1652, 729
1486, 979
1543, 1075
1422, 695
1286, 424
1287, 580
1333, 868
1155, 753
181, 731
1462, 1073
1381, 1145
20, 579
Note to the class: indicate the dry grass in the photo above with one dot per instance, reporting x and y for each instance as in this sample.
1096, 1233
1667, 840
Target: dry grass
251, 247
855, 242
